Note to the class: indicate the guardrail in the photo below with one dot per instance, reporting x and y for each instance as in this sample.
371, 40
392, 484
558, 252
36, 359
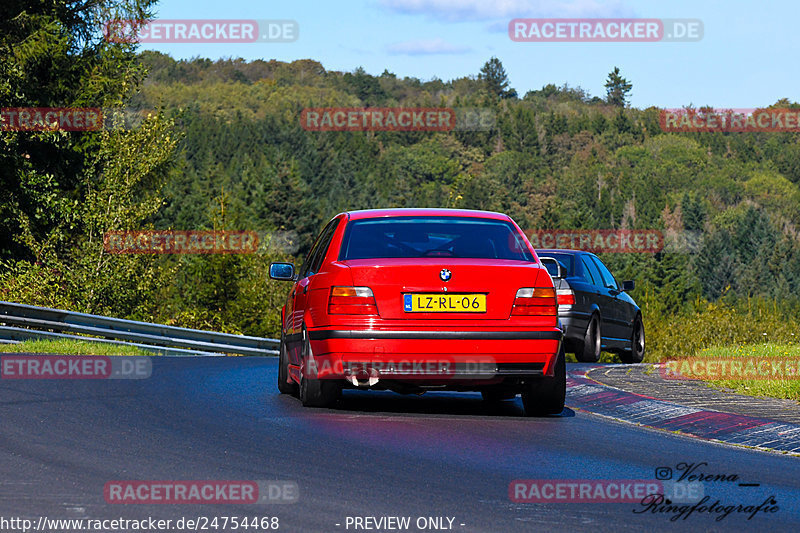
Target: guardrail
46, 323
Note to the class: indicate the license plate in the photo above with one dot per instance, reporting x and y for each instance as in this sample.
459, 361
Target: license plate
444, 303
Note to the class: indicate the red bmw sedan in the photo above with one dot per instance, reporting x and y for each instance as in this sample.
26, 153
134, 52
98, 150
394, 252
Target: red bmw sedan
412, 300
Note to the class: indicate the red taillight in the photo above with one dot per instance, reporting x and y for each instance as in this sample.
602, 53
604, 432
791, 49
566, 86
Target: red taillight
352, 301
535, 301
565, 297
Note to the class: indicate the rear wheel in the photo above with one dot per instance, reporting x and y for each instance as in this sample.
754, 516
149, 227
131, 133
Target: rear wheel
546, 396
590, 351
315, 392
318, 392
636, 355
284, 386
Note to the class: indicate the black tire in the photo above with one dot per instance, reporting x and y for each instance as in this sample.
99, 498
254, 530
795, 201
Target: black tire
636, 354
284, 385
318, 392
546, 396
315, 392
592, 341
496, 395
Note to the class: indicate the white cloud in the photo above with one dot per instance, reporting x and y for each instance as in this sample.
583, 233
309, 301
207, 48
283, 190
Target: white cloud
483, 10
426, 47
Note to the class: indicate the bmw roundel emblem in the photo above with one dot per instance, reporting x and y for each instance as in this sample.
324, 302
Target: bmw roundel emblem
445, 275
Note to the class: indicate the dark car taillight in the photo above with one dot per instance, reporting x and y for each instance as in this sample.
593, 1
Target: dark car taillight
565, 297
535, 301
352, 301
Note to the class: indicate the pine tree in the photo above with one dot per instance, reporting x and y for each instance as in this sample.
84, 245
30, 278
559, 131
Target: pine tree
495, 79
617, 89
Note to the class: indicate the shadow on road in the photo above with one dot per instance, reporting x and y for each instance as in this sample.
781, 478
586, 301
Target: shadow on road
431, 403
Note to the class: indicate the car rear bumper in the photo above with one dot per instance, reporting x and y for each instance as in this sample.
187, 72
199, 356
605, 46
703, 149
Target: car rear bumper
574, 325
434, 356
405, 335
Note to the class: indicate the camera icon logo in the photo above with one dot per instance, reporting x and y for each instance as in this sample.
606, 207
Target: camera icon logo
663, 473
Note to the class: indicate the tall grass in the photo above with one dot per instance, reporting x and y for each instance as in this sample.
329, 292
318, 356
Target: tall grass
783, 385
725, 323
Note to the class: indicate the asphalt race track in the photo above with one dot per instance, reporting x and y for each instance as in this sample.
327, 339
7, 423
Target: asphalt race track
377, 454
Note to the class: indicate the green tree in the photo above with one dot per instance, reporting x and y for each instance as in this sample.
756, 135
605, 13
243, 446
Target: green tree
519, 131
617, 89
495, 79
51, 55
366, 87
61, 191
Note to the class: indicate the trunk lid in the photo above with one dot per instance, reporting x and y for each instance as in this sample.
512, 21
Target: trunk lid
498, 280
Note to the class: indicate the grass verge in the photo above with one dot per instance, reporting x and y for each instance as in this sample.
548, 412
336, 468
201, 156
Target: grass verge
783, 355
71, 347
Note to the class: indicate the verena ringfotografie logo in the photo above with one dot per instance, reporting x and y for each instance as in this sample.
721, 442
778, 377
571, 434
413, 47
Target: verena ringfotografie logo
75, 367
599, 240
730, 120
674, 499
692, 480
605, 30
181, 242
202, 492
750, 368
201, 31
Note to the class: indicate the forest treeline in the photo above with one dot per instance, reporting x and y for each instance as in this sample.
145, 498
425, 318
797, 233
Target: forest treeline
220, 146
728, 203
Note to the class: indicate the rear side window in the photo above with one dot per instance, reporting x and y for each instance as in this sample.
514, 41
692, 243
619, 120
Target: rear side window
608, 278
410, 237
315, 257
565, 260
591, 274
551, 267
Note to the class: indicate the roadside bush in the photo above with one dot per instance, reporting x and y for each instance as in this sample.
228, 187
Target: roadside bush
725, 323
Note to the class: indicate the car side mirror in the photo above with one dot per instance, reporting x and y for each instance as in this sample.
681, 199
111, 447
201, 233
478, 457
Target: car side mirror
281, 271
628, 286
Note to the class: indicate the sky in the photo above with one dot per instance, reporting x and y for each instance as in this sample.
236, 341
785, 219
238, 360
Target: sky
746, 58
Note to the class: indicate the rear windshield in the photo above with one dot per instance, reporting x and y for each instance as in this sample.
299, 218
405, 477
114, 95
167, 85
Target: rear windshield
564, 259
406, 237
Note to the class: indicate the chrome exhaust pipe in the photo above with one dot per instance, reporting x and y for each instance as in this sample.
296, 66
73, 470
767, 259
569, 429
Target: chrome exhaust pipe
370, 378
